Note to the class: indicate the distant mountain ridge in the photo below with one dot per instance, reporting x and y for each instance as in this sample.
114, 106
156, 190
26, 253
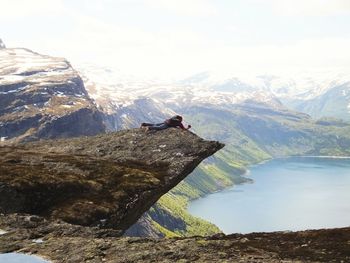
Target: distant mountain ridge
125, 89
334, 103
320, 94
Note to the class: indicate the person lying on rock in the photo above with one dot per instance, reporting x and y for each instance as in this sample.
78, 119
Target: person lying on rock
173, 122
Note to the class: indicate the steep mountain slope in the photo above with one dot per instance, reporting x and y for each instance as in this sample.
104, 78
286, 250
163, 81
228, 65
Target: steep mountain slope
43, 97
277, 132
335, 102
252, 133
122, 106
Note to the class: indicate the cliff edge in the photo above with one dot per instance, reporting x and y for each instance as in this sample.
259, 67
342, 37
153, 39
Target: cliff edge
108, 180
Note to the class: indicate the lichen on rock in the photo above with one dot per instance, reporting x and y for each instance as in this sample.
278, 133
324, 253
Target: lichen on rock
108, 180
63, 242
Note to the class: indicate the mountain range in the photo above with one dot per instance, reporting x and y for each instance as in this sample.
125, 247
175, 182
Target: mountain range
319, 94
257, 119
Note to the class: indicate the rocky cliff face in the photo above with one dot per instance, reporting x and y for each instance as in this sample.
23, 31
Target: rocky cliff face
43, 97
108, 180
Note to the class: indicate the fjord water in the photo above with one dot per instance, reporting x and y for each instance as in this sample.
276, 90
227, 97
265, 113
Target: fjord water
20, 258
294, 193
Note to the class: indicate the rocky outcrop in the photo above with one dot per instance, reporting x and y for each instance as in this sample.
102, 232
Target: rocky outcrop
43, 97
62, 242
108, 180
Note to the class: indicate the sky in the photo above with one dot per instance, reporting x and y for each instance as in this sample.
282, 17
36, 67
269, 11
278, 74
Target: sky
177, 38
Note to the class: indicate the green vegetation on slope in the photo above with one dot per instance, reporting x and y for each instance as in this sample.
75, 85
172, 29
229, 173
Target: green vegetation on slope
252, 133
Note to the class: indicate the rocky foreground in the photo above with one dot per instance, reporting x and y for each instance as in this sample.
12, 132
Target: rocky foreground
71, 200
108, 180
61, 242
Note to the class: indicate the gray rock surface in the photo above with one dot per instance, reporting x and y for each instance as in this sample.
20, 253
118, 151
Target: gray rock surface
108, 180
62, 242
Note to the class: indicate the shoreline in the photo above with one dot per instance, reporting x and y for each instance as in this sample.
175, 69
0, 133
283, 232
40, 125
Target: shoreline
246, 174
324, 156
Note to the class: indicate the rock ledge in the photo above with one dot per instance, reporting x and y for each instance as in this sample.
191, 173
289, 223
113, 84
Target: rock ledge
108, 180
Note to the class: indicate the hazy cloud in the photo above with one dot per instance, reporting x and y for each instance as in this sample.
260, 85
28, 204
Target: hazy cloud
25, 8
140, 48
310, 7
185, 7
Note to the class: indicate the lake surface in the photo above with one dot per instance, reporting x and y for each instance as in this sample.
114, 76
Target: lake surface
20, 258
294, 193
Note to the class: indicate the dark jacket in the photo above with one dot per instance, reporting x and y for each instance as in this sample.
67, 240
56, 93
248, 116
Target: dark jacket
174, 122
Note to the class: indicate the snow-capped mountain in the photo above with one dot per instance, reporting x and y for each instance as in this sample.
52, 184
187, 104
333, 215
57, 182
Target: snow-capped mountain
42, 97
335, 102
320, 94
299, 85
325, 94
122, 99
112, 90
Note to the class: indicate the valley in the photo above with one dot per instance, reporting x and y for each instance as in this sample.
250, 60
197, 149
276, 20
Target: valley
254, 125
141, 131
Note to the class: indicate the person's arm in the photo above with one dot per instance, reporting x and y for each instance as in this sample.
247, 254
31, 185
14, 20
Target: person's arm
183, 127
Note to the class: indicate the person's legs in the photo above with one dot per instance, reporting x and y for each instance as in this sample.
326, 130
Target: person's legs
158, 127
145, 124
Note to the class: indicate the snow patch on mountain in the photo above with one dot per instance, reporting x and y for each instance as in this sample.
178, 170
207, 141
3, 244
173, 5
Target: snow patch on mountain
314, 92
112, 89
42, 97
